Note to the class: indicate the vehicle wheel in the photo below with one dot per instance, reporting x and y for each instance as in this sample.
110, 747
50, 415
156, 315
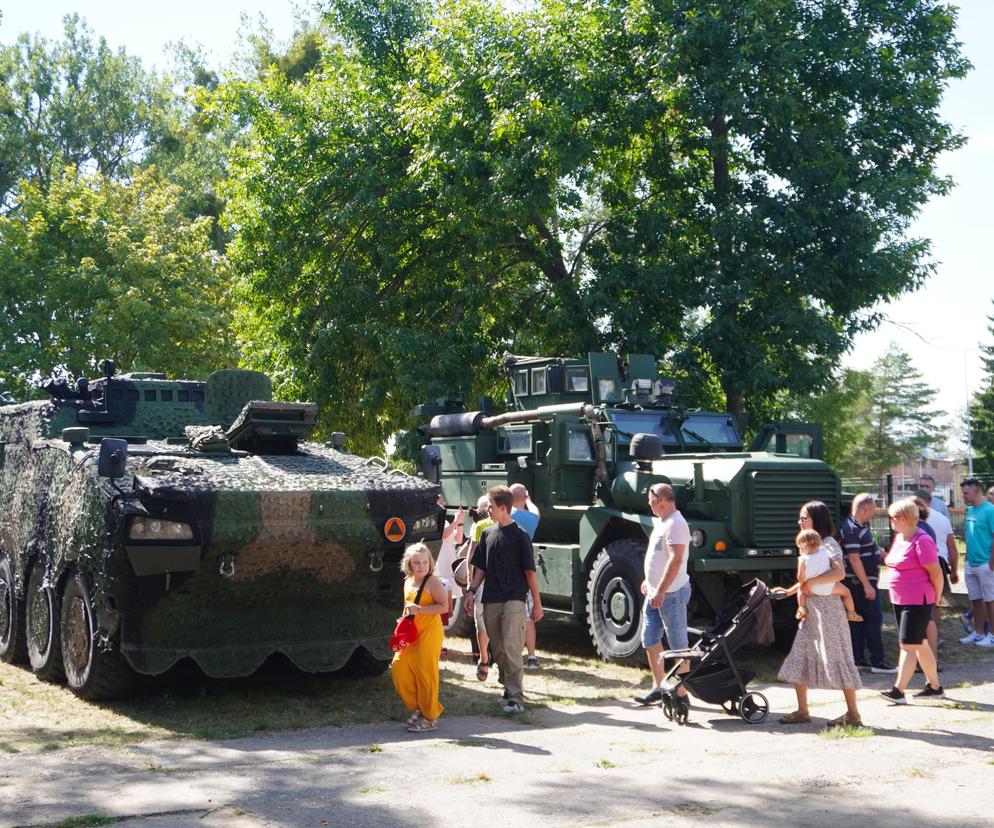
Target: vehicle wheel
13, 643
460, 623
614, 603
754, 707
91, 672
362, 664
42, 613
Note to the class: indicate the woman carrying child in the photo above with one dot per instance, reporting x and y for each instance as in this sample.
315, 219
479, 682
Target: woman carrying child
822, 653
813, 561
415, 668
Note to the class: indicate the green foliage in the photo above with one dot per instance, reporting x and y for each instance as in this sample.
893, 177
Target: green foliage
453, 181
76, 104
876, 419
94, 268
982, 414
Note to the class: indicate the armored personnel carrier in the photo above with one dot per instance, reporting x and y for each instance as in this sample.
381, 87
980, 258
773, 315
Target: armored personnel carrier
588, 437
144, 520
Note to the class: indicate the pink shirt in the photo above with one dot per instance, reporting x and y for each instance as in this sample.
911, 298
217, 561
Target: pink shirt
909, 580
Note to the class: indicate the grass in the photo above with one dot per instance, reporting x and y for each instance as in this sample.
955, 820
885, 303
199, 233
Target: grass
85, 820
371, 789
697, 810
605, 764
475, 779
185, 704
846, 732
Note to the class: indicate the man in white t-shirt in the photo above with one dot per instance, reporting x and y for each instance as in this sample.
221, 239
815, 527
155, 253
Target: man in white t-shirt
666, 588
948, 560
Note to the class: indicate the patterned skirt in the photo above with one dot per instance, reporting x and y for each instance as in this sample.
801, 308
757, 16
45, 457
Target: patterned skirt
822, 653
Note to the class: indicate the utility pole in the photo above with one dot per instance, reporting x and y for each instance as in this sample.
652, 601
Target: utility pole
969, 430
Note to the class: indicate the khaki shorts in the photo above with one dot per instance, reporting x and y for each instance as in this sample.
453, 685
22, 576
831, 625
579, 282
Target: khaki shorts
980, 583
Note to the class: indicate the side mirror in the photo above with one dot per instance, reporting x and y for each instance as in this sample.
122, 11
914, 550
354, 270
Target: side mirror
113, 457
431, 463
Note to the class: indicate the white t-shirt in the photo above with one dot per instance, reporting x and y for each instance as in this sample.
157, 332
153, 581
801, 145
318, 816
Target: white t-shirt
818, 563
943, 529
673, 531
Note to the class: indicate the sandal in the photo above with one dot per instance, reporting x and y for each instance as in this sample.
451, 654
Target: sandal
482, 671
423, 726
797, 717
846, 720
414, 717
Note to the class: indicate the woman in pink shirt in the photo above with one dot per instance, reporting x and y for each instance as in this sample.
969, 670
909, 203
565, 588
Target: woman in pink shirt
915, 589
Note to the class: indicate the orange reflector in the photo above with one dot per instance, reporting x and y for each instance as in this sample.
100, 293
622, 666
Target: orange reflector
395, 530
720, 546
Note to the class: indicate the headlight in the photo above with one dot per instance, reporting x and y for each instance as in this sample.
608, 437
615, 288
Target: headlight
752, 553
155, 529
697, 538
425, 526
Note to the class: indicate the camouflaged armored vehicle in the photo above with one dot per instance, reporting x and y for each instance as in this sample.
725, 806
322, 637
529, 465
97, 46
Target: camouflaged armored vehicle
144, 520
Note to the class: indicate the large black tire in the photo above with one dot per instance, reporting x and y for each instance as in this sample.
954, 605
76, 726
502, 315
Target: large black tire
13, 643
92, 672
614, 603
43, 625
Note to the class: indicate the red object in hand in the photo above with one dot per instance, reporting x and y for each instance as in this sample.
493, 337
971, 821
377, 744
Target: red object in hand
404, 634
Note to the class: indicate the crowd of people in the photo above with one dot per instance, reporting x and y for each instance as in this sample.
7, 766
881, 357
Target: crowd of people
840, 629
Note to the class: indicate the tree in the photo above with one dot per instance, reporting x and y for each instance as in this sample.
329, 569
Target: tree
725, 183
843, 411
75, 104
94, 268
981, 413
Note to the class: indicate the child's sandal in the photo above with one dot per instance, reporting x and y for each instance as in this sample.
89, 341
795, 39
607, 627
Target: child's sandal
801, 614
422, 726
413, 718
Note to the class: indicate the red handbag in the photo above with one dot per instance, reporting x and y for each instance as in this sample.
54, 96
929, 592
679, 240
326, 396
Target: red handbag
406, 633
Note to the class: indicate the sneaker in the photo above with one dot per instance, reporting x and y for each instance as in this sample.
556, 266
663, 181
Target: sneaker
513, 706
878, 669
972, 638
862, 665
654, 696
930, 692
532, 663
894, 695
986, 641
966, 619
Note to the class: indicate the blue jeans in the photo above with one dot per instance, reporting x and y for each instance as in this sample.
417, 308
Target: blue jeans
868, 634
671, 617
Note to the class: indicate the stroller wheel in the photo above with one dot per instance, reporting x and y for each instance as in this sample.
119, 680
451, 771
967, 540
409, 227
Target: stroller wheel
668, 708
681, 711
754, 708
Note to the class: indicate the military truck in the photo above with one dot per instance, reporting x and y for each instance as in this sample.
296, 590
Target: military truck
588, 437
144, 520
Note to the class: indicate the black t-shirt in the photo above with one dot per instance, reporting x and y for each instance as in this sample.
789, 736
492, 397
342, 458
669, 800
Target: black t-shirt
504, 554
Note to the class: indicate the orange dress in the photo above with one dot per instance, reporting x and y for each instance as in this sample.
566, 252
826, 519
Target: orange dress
415, 668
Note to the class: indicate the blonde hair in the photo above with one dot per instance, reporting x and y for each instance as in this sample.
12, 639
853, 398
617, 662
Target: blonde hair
412, 551
807, 538
906, 508
860, 501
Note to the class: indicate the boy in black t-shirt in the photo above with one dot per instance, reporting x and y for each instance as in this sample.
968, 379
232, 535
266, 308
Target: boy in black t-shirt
505, 557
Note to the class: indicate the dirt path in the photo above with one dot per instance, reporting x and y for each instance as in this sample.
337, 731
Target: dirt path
607, 763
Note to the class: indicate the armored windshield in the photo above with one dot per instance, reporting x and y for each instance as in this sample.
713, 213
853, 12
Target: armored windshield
710, 431
697, 430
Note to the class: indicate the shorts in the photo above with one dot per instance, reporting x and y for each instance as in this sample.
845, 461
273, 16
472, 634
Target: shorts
671, 617
980, 582
912, 621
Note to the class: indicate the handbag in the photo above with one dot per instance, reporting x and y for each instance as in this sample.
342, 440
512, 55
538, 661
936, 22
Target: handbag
406, 632
460, 569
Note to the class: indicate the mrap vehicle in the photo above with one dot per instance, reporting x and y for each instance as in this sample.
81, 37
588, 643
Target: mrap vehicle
144, 520
588, 437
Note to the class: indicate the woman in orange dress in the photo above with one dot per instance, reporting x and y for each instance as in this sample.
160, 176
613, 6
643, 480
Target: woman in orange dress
415, 668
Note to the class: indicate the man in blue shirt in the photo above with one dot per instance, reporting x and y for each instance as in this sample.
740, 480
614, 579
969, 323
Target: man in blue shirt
526, 515
979, 575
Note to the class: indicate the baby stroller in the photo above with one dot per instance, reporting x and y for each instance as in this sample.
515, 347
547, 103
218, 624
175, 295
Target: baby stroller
714, 676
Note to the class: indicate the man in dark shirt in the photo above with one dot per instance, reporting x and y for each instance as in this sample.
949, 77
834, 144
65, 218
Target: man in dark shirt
862, 574
505, 557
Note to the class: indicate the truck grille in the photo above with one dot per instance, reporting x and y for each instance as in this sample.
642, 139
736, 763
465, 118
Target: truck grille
778, 497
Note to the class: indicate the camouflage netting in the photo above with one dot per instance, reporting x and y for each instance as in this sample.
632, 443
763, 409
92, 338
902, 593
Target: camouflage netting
292, 556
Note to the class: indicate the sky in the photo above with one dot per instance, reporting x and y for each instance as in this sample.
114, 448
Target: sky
941, 326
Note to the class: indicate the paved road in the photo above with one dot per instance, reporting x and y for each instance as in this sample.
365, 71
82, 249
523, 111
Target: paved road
612, 764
